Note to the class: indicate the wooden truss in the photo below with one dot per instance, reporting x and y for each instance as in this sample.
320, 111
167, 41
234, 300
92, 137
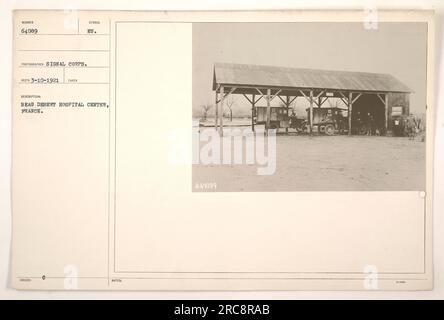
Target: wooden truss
316, 97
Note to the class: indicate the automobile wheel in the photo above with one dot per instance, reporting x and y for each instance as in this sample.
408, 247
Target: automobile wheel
329, 130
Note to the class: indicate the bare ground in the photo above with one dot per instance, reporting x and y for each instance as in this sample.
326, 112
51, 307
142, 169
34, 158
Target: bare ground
326, 163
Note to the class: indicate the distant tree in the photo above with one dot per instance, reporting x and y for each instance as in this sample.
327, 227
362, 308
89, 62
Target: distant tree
229, 102
205, 108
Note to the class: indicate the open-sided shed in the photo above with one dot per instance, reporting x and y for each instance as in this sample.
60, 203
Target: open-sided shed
256, 82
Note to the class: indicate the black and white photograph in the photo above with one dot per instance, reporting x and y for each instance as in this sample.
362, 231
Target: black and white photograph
332, 106
229, 153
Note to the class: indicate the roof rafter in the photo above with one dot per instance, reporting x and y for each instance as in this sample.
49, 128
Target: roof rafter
285, 78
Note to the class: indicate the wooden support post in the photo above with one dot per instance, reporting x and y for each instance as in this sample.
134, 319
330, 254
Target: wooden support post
287, 103
311, 111
221, 114
216, 107
350, 110
386, 103
267, 124
253, 102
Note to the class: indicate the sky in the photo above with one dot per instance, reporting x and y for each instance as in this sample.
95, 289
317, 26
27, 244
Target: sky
395, 48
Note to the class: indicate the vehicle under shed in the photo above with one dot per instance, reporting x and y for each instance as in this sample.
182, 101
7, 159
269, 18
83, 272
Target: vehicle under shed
371, 99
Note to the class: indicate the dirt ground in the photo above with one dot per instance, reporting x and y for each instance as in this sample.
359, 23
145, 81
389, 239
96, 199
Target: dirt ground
325, 163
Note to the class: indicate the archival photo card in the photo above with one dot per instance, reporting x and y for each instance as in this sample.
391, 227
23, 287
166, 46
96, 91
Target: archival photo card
298, 107
225, 150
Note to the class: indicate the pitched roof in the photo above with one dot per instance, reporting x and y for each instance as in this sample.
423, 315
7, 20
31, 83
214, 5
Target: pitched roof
282, 77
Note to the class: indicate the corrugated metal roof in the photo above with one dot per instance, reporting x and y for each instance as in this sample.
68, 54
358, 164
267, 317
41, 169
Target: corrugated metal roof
281, 77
